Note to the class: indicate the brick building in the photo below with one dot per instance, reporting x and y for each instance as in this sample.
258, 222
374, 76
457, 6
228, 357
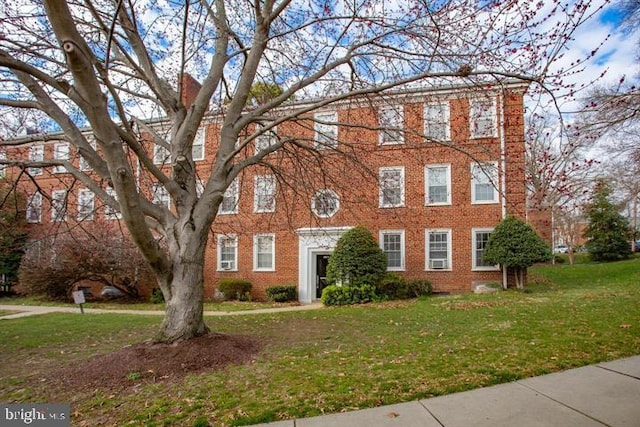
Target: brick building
429, 172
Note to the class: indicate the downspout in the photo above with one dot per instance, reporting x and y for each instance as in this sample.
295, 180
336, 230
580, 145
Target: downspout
503, 172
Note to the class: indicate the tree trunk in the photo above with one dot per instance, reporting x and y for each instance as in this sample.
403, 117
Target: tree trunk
184, 313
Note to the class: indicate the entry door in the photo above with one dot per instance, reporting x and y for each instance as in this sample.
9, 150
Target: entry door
321, 273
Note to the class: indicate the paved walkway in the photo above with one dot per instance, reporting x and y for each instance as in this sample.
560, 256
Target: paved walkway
31, 310
606, 394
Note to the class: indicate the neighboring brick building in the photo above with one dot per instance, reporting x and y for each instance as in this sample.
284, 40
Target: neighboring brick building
431, 205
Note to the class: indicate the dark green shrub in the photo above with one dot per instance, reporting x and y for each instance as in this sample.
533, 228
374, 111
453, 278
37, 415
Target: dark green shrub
357, 259
283, 293
157, 297
347, 295
393, 286
418, 287
235, 289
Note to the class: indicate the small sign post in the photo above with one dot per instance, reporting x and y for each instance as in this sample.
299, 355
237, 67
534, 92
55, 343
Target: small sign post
78, 298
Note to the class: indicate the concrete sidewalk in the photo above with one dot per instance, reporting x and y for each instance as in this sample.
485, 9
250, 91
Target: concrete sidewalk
606, 394
32, 310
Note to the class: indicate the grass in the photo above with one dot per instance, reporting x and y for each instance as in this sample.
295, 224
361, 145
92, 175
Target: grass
347, 358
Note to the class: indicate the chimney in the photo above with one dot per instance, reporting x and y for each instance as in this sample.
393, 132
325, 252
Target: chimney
189, 89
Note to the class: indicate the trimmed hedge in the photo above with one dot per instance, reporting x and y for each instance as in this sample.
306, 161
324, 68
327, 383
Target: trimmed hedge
284, 293
418, 287
347, 295
235, 289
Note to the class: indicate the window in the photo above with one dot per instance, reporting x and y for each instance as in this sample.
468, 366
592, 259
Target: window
264, 193
391, 125
326, 129
34, 208
36, 154
197, 149
60, 152
199, 188
161, 155
263, 252
83, 164
391, 187
480, 237
229, 203
438, 248
437, 125
227, 252
3, 168
161, 196
437, 179
109, 212
484, 183
58, 205
266, 139
85, 204
325, 203
482, 118
392, 244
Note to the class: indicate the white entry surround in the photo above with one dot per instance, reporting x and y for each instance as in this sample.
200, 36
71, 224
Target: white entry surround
312, 242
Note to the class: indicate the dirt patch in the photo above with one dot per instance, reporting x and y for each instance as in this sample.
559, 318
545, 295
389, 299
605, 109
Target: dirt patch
149, 362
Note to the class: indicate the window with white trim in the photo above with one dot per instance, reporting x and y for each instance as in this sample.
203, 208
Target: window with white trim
36, 154
326, 129
86, 204
484, 183
266, 139
83, 164
437, 183
264, 252
438, 249
199, 188
264, 195
437, 121
325, 203
480, 237
60, 152
483, 117
229, 204
391, 125
58, 205
227, 252
161, 155
160, 196
391, 187
197, 149
3, 168
34, 208
392, 244
109, 212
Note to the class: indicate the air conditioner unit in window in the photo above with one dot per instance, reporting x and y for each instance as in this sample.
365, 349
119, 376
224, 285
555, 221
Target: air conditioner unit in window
437, 264
226, 265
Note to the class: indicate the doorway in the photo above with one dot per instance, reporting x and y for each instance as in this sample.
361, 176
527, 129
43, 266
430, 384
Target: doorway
321, 273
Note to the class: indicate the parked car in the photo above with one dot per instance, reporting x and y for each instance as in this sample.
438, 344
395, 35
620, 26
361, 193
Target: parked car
561, 249
111, 292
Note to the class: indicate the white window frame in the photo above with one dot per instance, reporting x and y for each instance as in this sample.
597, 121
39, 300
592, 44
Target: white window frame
36, 154
60, 152
109, 212
437, 121
325, 194
34, 208
3, 168
474, 249
427, 187
231, 193
160, 155
479, 176
266, 139
264, 193
383, 186
256, 252
160, 196
385, 233
58, 205
83, 165
326, 130
438, 264
227, 265
391, 122
483, 117
86, 205
197, 148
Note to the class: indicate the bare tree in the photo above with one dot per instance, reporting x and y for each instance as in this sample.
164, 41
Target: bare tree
114, 65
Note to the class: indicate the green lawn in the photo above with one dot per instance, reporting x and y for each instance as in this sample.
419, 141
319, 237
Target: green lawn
347, 358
